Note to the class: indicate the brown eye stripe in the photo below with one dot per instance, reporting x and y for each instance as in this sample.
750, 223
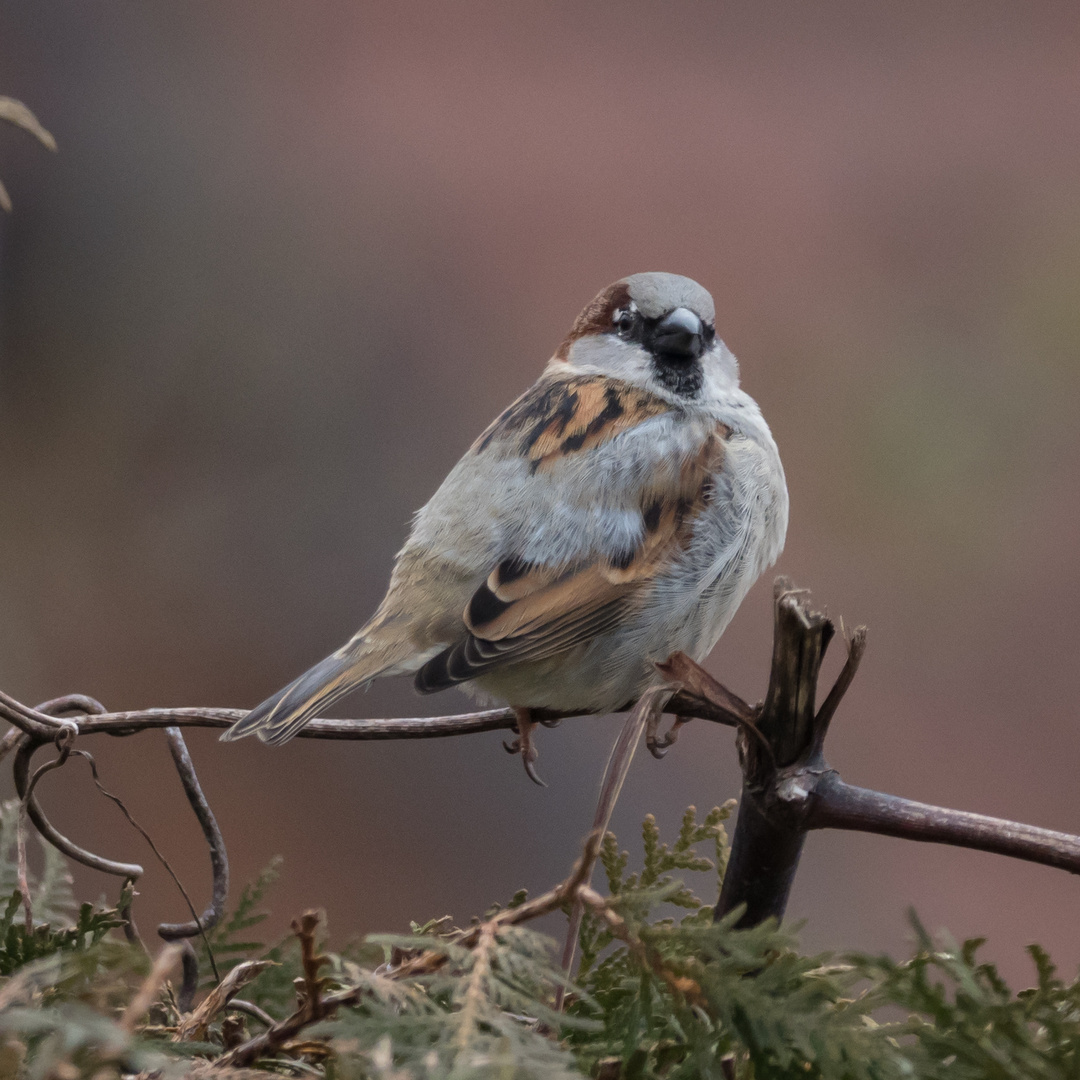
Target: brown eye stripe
561, 416
598, 316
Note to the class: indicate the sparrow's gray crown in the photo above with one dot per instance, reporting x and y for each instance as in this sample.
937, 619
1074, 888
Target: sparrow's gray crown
657, 294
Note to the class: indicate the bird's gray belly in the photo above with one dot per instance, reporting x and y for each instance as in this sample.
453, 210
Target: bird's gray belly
688, 608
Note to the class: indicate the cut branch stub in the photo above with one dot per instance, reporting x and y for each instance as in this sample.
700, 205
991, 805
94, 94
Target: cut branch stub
800, 638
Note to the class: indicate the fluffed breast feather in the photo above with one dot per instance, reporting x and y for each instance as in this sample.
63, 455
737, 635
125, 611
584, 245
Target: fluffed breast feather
591, 551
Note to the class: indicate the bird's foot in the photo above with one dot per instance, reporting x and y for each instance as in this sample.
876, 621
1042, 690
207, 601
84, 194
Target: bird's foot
659, 744
524, 744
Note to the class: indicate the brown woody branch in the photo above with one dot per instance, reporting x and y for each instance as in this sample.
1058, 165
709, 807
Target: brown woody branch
730, 710
837, 805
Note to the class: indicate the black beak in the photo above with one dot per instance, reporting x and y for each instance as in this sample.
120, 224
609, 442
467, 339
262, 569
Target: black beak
679, 336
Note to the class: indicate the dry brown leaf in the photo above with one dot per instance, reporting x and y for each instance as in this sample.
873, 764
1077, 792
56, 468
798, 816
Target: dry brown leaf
193, 1026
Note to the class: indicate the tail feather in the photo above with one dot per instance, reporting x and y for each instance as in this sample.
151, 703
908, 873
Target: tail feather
283, 714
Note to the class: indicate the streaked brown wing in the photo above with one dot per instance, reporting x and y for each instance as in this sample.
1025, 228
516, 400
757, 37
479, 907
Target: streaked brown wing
562, 415
537, 615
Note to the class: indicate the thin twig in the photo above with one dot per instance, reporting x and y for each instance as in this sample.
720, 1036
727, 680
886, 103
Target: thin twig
219, 860
10, 740
645, 712
21, 771
51, 833
115, 799
63, 744
24, 881
189, 981
71, 703
249, 1007
539, 906
131, 931
34, 722
856, 651
57, 839
279, 1033
311, 986
421, 727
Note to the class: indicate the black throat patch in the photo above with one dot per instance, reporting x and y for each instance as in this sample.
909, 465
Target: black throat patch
681, 377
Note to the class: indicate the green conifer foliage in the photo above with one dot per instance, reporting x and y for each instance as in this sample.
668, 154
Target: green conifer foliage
663, 991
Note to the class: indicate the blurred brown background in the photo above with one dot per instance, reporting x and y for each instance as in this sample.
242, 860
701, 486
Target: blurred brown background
291, 258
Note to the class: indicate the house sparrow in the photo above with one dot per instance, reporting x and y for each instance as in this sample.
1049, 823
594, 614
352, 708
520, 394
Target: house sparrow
616, 513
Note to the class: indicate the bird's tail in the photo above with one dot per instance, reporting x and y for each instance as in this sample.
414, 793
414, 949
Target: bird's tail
283, 714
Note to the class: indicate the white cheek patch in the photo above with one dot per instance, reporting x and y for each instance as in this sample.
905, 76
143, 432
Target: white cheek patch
606, 354
721, 372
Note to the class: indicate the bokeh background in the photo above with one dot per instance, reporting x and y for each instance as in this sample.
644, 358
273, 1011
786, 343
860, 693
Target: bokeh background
291, 258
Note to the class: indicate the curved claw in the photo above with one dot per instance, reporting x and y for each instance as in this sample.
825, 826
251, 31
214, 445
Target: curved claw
660, 745
530, 771
524, 746
658, 748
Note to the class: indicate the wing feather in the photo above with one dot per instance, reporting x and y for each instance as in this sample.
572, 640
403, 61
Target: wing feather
565, 415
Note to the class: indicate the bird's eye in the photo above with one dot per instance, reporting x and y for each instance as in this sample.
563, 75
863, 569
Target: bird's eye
624, 321
710, 333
